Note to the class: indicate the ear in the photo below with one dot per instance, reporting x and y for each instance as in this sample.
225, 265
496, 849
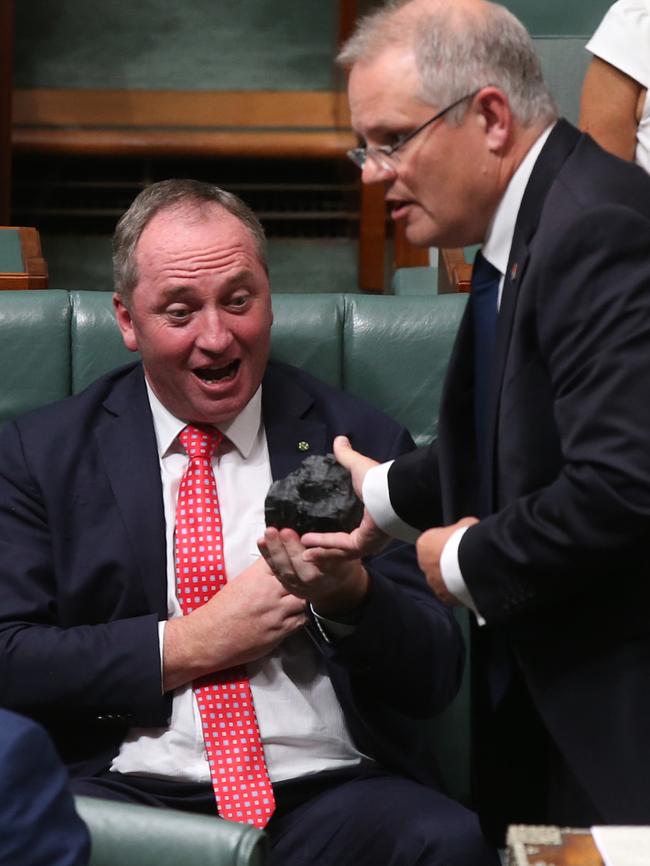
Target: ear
125, 323
495, 116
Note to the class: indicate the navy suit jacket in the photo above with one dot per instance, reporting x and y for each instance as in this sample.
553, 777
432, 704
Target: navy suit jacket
561, 566
38, 822
83, 575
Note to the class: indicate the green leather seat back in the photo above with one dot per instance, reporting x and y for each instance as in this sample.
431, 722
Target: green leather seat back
11, 257
421, 280
95, 340
34, 350
308, 332
127, 834
402, 376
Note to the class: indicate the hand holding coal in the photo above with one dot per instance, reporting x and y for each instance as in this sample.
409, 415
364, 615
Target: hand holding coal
317, 497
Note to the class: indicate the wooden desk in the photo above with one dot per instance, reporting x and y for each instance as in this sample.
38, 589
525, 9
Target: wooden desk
551, 846
22, 265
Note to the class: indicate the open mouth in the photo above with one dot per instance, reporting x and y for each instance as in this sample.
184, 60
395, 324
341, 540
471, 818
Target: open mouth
399, 208
211, 375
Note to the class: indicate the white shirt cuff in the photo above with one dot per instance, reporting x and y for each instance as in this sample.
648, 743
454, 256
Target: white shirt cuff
161, 642
451, 574
376, 498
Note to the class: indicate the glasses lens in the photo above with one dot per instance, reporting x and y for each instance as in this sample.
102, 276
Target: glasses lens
358, 156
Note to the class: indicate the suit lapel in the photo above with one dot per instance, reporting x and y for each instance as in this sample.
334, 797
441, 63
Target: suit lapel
559, 145
291, 433
127, 443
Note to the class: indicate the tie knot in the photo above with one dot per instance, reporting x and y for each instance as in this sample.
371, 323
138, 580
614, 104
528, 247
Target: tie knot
198, 442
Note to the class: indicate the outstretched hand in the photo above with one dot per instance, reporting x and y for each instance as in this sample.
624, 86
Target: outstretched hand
335, 584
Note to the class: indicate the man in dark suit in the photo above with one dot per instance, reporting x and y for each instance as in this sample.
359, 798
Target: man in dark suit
340, 666
533, 507
38, 822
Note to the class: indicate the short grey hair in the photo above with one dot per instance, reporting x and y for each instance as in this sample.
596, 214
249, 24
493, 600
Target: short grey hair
165, 195
458, 51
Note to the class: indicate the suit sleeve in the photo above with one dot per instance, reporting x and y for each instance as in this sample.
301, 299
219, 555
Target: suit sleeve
414, 488
60, 655
590, 521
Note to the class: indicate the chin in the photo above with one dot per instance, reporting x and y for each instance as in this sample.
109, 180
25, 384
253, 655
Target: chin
421, 236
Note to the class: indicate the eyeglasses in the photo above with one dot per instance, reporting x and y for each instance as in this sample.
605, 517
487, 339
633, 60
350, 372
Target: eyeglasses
384, 156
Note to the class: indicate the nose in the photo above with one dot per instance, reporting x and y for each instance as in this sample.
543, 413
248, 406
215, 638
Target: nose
213, 335
374, 171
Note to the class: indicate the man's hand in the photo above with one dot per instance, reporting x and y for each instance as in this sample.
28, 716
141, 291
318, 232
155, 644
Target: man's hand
367, 538
429, 549
329, 579
245, 620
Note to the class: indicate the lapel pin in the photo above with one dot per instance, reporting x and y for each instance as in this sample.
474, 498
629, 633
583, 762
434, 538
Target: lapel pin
303, 446
513, 271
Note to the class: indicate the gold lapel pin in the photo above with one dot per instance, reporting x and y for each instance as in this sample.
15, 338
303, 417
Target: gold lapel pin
303, 446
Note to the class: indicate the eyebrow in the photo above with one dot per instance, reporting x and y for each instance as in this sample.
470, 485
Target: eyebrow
174, 292
181, 289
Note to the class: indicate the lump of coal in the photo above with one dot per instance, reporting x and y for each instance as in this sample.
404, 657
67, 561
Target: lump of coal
317, 497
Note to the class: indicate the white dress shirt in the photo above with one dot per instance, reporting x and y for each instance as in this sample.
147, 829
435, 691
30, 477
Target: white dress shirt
496, 250
302, 726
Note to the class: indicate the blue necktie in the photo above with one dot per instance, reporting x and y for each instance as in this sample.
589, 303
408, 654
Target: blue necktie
485, 294
485, 290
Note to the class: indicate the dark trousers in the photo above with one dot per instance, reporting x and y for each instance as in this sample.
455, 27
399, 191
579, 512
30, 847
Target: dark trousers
365, 817
520, 776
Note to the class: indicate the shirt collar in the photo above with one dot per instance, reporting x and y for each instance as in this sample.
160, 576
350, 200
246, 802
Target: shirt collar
241, 431
498, 240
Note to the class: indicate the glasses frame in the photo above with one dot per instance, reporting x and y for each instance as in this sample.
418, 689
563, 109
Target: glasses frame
383, 154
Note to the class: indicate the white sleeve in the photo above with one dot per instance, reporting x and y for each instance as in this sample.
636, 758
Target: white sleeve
376, 498
451, 573
623, 39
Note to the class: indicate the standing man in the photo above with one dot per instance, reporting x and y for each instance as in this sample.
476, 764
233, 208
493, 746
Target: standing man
137, 619
533, 506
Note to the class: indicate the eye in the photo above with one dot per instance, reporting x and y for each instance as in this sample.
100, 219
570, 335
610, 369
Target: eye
239, 301
398, 139
177, 313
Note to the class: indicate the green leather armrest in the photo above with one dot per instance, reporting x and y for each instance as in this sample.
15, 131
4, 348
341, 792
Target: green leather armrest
125, 834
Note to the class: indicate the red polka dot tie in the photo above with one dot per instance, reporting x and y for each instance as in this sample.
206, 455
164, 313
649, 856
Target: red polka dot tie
232, 738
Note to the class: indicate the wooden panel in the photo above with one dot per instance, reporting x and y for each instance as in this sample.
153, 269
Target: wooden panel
300, 109
300, 124
127, 142
372, 239
34, 268
454, 273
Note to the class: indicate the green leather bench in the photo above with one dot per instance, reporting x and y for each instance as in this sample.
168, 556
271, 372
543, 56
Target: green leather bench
391, 350
125, 834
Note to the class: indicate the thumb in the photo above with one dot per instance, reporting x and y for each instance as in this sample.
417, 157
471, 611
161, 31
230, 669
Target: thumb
356, 463
344, 452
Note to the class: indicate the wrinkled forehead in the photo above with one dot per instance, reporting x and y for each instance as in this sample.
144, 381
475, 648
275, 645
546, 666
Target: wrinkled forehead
195, 238
383, 87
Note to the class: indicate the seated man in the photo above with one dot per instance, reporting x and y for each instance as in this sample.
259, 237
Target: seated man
138, 620
38, 822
